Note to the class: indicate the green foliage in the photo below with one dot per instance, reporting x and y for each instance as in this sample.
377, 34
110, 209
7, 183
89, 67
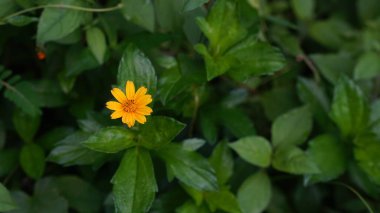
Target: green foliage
258, 106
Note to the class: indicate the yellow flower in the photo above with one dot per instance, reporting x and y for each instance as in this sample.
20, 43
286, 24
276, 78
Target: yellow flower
131, 106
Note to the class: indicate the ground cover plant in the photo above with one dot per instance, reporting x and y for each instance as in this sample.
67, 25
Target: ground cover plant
189, 106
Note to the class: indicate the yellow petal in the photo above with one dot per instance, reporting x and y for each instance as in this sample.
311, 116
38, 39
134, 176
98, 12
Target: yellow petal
113, 105
140, 118
133, 119
144, 110
130, 90
117, 114
119, 95
143, 100
140, 92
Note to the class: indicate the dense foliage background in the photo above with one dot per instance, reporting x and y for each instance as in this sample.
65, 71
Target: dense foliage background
258, 105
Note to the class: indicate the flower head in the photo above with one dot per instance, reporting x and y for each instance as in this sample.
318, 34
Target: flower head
131, 106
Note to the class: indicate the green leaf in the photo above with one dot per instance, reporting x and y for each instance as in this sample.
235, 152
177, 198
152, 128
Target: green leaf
333, 66
237, 122
193, 4
191, 207
292, 159
2, 135
349, 108
47, 197
9, 159
32, 160
329, 156
48, 93
110, 140
254, 149
197, 195
368, 66
304, 9
96, 40
366, 152
81, 195
136, 67
56, 23
223, 200
330, 32
6, 202
368, 9
134, 182
78, 59
222, 14
24, 97
7, 7
189, 167
25, 125
70, 151
140, 13
193, 144
158, 131
20, 21
222, 161
258, 185
292, 128
254, 58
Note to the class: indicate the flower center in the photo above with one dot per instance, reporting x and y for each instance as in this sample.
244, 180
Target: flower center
129, 106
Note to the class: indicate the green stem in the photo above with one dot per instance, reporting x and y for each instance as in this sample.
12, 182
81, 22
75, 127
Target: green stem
63, 6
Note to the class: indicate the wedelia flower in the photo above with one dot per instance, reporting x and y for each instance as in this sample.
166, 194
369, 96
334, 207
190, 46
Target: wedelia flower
131, 106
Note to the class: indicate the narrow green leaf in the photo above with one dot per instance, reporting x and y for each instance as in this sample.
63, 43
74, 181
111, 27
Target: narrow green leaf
292, 128
158, 131
21, 20
368, 66
223, 200
329, 156
96, 40
304, 9
32, 160
293, 160
110, 140
23, 96
134, 182
136, 67
222, 161
189, 167
140, 13
56, 23
254, 149
25, 125
258, 185
349, 109
192, 144
6, 202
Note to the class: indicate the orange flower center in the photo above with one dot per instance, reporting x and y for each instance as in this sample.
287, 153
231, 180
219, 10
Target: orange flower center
129, 106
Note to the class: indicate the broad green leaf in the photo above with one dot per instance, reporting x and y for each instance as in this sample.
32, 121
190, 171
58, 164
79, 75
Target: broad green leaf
78, 59
293, 160
96, 40
278, 101
7, 7
330, 32
48, 93
110, 140
223, 200
32, 160
140, 13
6, 202
193, 4
134, 183
81, 195
366, 152
25, 125
197, 195
49, 139
349, 108
255, 193
312, 94
330, 157
333, 66
9, 159
223, 13
292, 128
254, 149
222, 161
171, 14
24, 97
254, 58
56, 23
159, 130
304, 9
368, 66
136, 67
237, 122
193, 144
208, 126
191, 207
189, 167
47, 197
70, 151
